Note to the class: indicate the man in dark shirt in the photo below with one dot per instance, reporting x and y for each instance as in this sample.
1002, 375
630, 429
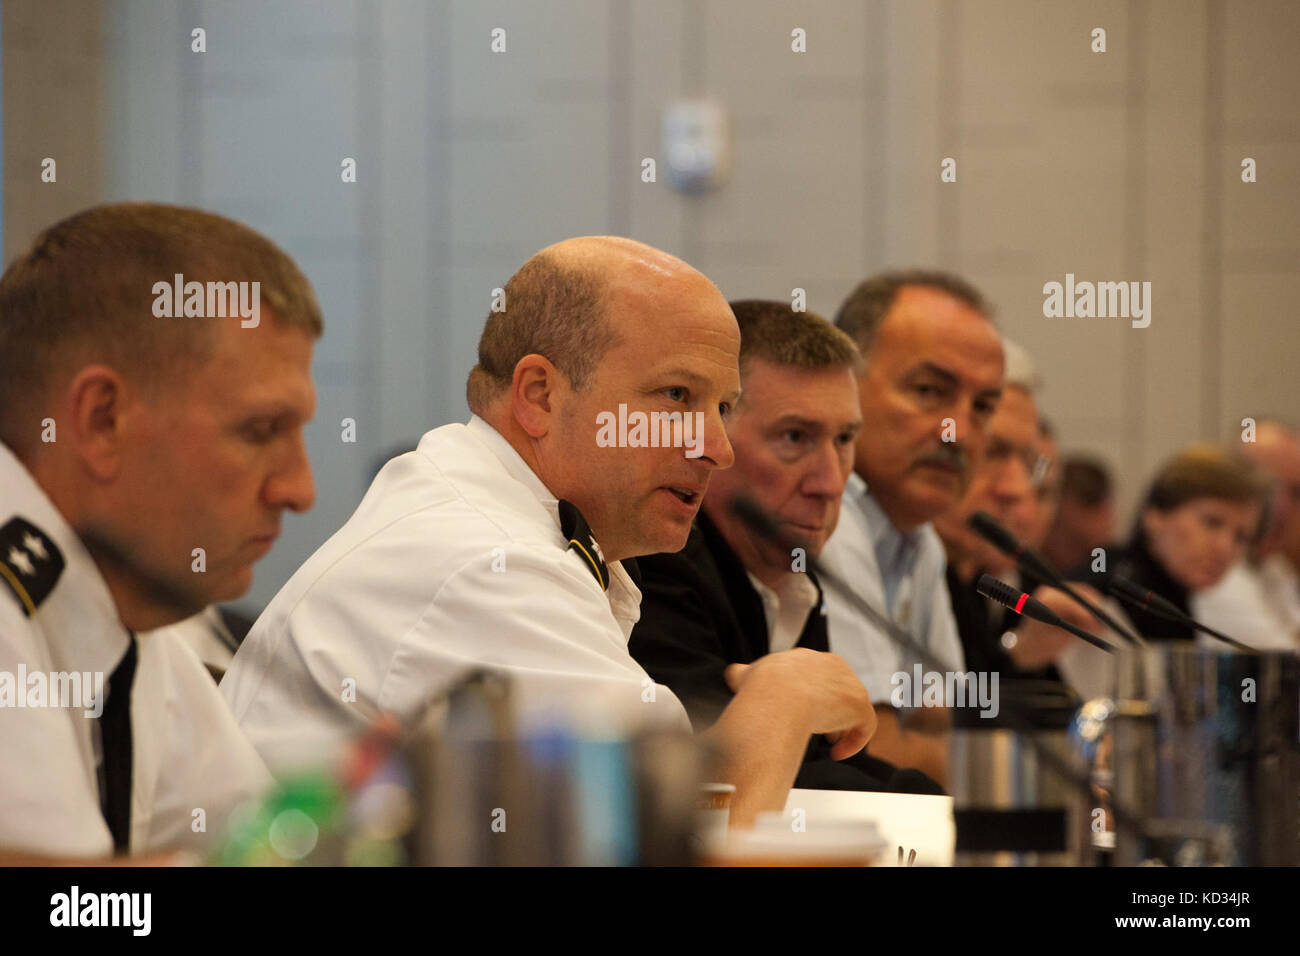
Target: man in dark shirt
731, 597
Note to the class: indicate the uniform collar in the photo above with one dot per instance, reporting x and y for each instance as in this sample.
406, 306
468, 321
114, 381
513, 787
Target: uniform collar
624, 596
514, 464
79, 617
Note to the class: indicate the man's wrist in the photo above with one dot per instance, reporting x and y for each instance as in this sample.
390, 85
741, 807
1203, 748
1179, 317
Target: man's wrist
772, 689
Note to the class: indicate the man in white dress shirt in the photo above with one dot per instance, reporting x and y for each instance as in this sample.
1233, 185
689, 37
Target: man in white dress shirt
932, 378
501, 543
146, 460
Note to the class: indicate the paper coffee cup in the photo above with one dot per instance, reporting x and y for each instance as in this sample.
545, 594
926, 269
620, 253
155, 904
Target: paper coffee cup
713, 812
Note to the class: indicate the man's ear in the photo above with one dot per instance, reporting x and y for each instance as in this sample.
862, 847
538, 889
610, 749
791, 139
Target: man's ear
94, 406
534, 388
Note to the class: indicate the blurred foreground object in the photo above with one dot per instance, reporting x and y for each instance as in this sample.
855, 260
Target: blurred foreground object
461, 788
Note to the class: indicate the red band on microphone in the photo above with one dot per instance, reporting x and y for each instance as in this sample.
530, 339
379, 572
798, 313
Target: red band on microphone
1021, 602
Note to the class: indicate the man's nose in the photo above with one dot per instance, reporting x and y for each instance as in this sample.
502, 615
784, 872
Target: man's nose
1015, 482
714, 442
292, 486
826, 474
965, 430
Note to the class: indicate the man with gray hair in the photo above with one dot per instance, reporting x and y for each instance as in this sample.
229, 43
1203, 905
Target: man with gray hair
931, 382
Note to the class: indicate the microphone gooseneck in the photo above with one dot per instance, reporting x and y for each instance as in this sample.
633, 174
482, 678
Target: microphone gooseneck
1034, 564
1137, 596
760, 523
1020, 602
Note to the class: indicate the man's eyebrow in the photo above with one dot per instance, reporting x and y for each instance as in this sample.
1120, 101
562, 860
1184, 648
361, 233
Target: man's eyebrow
798, 421
685, 373
932, 369
694, 377
274, 408
951, 380
814, 425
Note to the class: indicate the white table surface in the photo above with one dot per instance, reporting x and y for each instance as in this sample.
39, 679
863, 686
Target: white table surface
913, 821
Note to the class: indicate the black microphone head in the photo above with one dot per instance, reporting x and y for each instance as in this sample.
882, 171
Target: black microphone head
754, 517
1144, 597
987, 527
1030, 562
1015, 599
998, 591
761, 523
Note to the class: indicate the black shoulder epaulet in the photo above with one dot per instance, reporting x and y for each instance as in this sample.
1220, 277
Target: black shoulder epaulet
574, 527
30, 563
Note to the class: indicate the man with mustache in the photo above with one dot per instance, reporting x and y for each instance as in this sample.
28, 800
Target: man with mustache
502, 543
1009, 484
732, 596
931, 381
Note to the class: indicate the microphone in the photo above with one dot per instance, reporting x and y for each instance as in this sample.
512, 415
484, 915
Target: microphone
752, 515
1029, 561
1023, 604
983, 524
1146, 599
763, 524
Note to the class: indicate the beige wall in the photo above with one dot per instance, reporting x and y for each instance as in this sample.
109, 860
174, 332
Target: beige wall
1115, 166
53, 86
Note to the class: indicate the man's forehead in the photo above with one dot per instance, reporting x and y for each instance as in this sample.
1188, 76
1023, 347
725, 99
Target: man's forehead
936, 328
676, 329
1016, 417
788, 390
271, 359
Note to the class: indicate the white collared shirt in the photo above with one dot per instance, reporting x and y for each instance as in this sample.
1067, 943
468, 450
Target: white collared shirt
1243, 606
187, 752
900, 575
786, 611
453, 560
206, 635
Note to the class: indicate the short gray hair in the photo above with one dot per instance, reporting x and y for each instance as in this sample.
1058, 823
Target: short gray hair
867, 305
1020, 370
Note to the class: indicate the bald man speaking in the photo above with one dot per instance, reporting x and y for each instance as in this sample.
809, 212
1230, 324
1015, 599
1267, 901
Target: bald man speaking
599, 402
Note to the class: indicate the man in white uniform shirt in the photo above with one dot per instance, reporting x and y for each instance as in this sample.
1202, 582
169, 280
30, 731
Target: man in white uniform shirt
931, 380
500, 543
145, 460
